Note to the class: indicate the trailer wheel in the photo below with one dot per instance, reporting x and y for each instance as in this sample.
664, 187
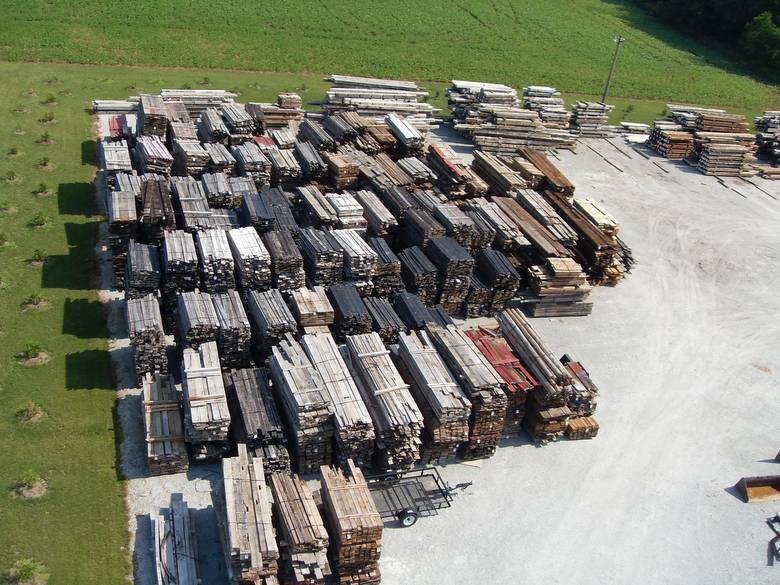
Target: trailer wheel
407, 518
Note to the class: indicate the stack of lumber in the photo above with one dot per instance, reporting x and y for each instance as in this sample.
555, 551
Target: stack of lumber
122, 226
443, 405
270, 116
419, 274
212, 127
242, 187
145, 327
165, 449
190, 158
589, 119
286, 260
517, 381
322, 256
270, 316
554, 179
302, 535
190, 204
196, 319
670, 143
482, 385
477, 303
174, 544
289, 100
253, 262
312, 131
381, 222
305, 403
507, 235
152, 116
598, 216
397, 420
198, 100
725, 160
542, 240
454, 265
316, 209
283, 137
419, 227
581, 427
562, 288
387, 272
351, 315
245, 520
234, 335
420, 173
251, 162
500, 276
285, 169
484, 234
268, 210
115, 157
348, 210
462, 95
310, 161
143, 270
429, 199
460, 227
440, 316
215, 261
502, 179
206, 414
355, 525
412, 311
237, 120
216, 186
359, 258
583, 395
454, 178
543, 212
549, 103
342, 168
353, 427
527, 170
397, 200
339, 128
311, 307
406, 133
385, 320
255, 418
721, 122
151, 156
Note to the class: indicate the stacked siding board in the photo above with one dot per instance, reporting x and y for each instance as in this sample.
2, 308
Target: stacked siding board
165, 449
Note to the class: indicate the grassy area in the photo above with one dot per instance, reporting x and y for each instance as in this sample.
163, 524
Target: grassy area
555, 42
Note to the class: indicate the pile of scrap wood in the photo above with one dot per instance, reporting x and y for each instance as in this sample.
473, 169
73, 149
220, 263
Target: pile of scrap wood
671, 143
311, 307
549, 103
211, 126
419, 227
589, 119
354, 523
454, 265
270, 116
562, 288
285, 169
122, 218
151, 156
454, 178
271, 318
196, 319
343, 169
384, 319
215, 260
234, 335
397, 420
115, 157
351, 315
238, 121
418, 171
253, 262
721, 122
142, 275
535, 204
174, 544
507, 234
477, 303
458, 225
286, 260
419, 274
387, 272
444, 407
165, 448
502, 179
322, 256
411, 310
145, 327
190, 158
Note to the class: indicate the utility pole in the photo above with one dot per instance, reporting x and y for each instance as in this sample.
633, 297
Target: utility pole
618, 43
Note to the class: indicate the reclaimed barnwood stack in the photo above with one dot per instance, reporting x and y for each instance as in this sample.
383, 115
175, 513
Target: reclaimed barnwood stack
497, 272
268, 210
464, 95
412, 310
174, 544
252, 260
539, 237
482, 385
670, 143
443, 405
283, 137
419, 274
322, 256
725, 160
196, 319
285, 169
234, 335
189, 157
244, 518
311, 307
527, 171
351, 315
381, 222
339, 128
554, 179
359, 258
721, 122
397, 419
385, 320
215, 261
218, 192
305, 404
583, 394
387, 272
115, 157
270, 316
286, 260
562, 288
198, 100
151, 156
420, 173
406, 133
143, 270
454, 178
237, 120
454, 265
152, 116
271, 116
348, 211
581, 427
354, 523
302, 535
122, 219
212, 127
354, 430
206, 414
312, 132
242, 187
502, 179
315, 209
342, 168
460, 227
549, 103
507, 235
589, 119
477, 303
311, 163
543, 212
419, 227
598, 216
484, 234
145, 327
190, 204
251, 162
289, 100
165, 449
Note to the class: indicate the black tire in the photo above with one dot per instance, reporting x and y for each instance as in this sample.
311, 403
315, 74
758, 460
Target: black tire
407, 518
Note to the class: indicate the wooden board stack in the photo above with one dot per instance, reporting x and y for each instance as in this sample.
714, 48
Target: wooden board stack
721, 122
671, 144
502, 179
196, 318
420, 173
464, 95
285, 113
211, 127
726, 160
145, 327
190, 158
271, 319
598, 215
381, 222
359, 258
114, 157
198, 100
549, 103
255, 419
454, 265
311, 307
165, 449
343, 169
411, 310
355, 525
238, 121
285, 169
215, 261
311, 163
411, 138
312, 132
419, 227
283, 137
190, 204
245, 520
554, 179
454, 178
122, 227
589, 119
234, 335
351, 315
419, 274
143, 270
562, 288
500, 276
397, 420
385, 320
315, 209
387, 272
443, 405
348, 211
305, 404
583, 394
543, 212
481, 384
477, 303
218, 192
253, 262
251, 162
174, 544
206, 414
322, 256
286, 260
151, 156
302, 536
460, 227
152, 116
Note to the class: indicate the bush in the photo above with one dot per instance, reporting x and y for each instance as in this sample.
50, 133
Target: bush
48, 118
27, 572
39, 255
13, 151
11, 177
50, 100
32, 350
45, 138
44, 162
34, 299
4, 241
29, 412
29, 479
41, 188
39, 220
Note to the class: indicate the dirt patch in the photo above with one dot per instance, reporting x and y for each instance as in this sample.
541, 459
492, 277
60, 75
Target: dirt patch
40, 359
13, 180
26, 491
18, 131
36, 263
46, 193
46, 142
39, 306
48, 167
762, 368
30, 417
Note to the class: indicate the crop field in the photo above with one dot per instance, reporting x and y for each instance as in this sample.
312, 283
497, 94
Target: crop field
555, 42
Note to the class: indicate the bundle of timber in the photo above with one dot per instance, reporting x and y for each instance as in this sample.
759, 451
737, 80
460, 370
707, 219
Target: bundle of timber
418, 171
145, 327
500, 177
589, 119
343, 169
463, 96
440, 316
477, 303
310, 161
393, 170
315, 209
381, 222
211, 127
527, 171
598, 216
500, 276
544, 213
455, 265
196, 319
419, 228
387, 272
251, 162
270, 116
218, 192
190, 204
355, 525
419, 274
122, 227
206, 414
152, 116
165, 449
397, 200
460, 227
303, 538
411, 310
174, 544
143, 270
397, 420
305, 404
286, 260
242, 187
670, 143
581, 427
583, 394
562, 288
351, 315
385, 320
507, 234
517, 381
454, 178
311, 307
482, 385
268, 210
554, 179
128, 182
283, 137
546, 424
285, 170
406, 134
198, 100
444, 406
353, 427
429, 199
549, 103
238, 121
721, 122
271, 318
115, 157
151, 156
725, 160
339, 128
322, 256
289, 100
215, 261
359, 258
234, 335
245, 519
255, 420
484, 233
312, 132
253, 262
349, 212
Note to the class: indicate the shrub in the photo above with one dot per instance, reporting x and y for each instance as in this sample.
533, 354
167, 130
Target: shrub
27, 572
50, 100
39, 255
39, 220
11, 177
48, 118
45, 138
4, 241
32, 350
41, 188
13, 151
29, 412
34, 299
44, 162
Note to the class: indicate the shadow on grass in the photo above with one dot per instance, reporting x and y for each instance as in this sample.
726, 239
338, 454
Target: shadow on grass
76, 199
89, 369
75, 270
89, 153
83, 318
